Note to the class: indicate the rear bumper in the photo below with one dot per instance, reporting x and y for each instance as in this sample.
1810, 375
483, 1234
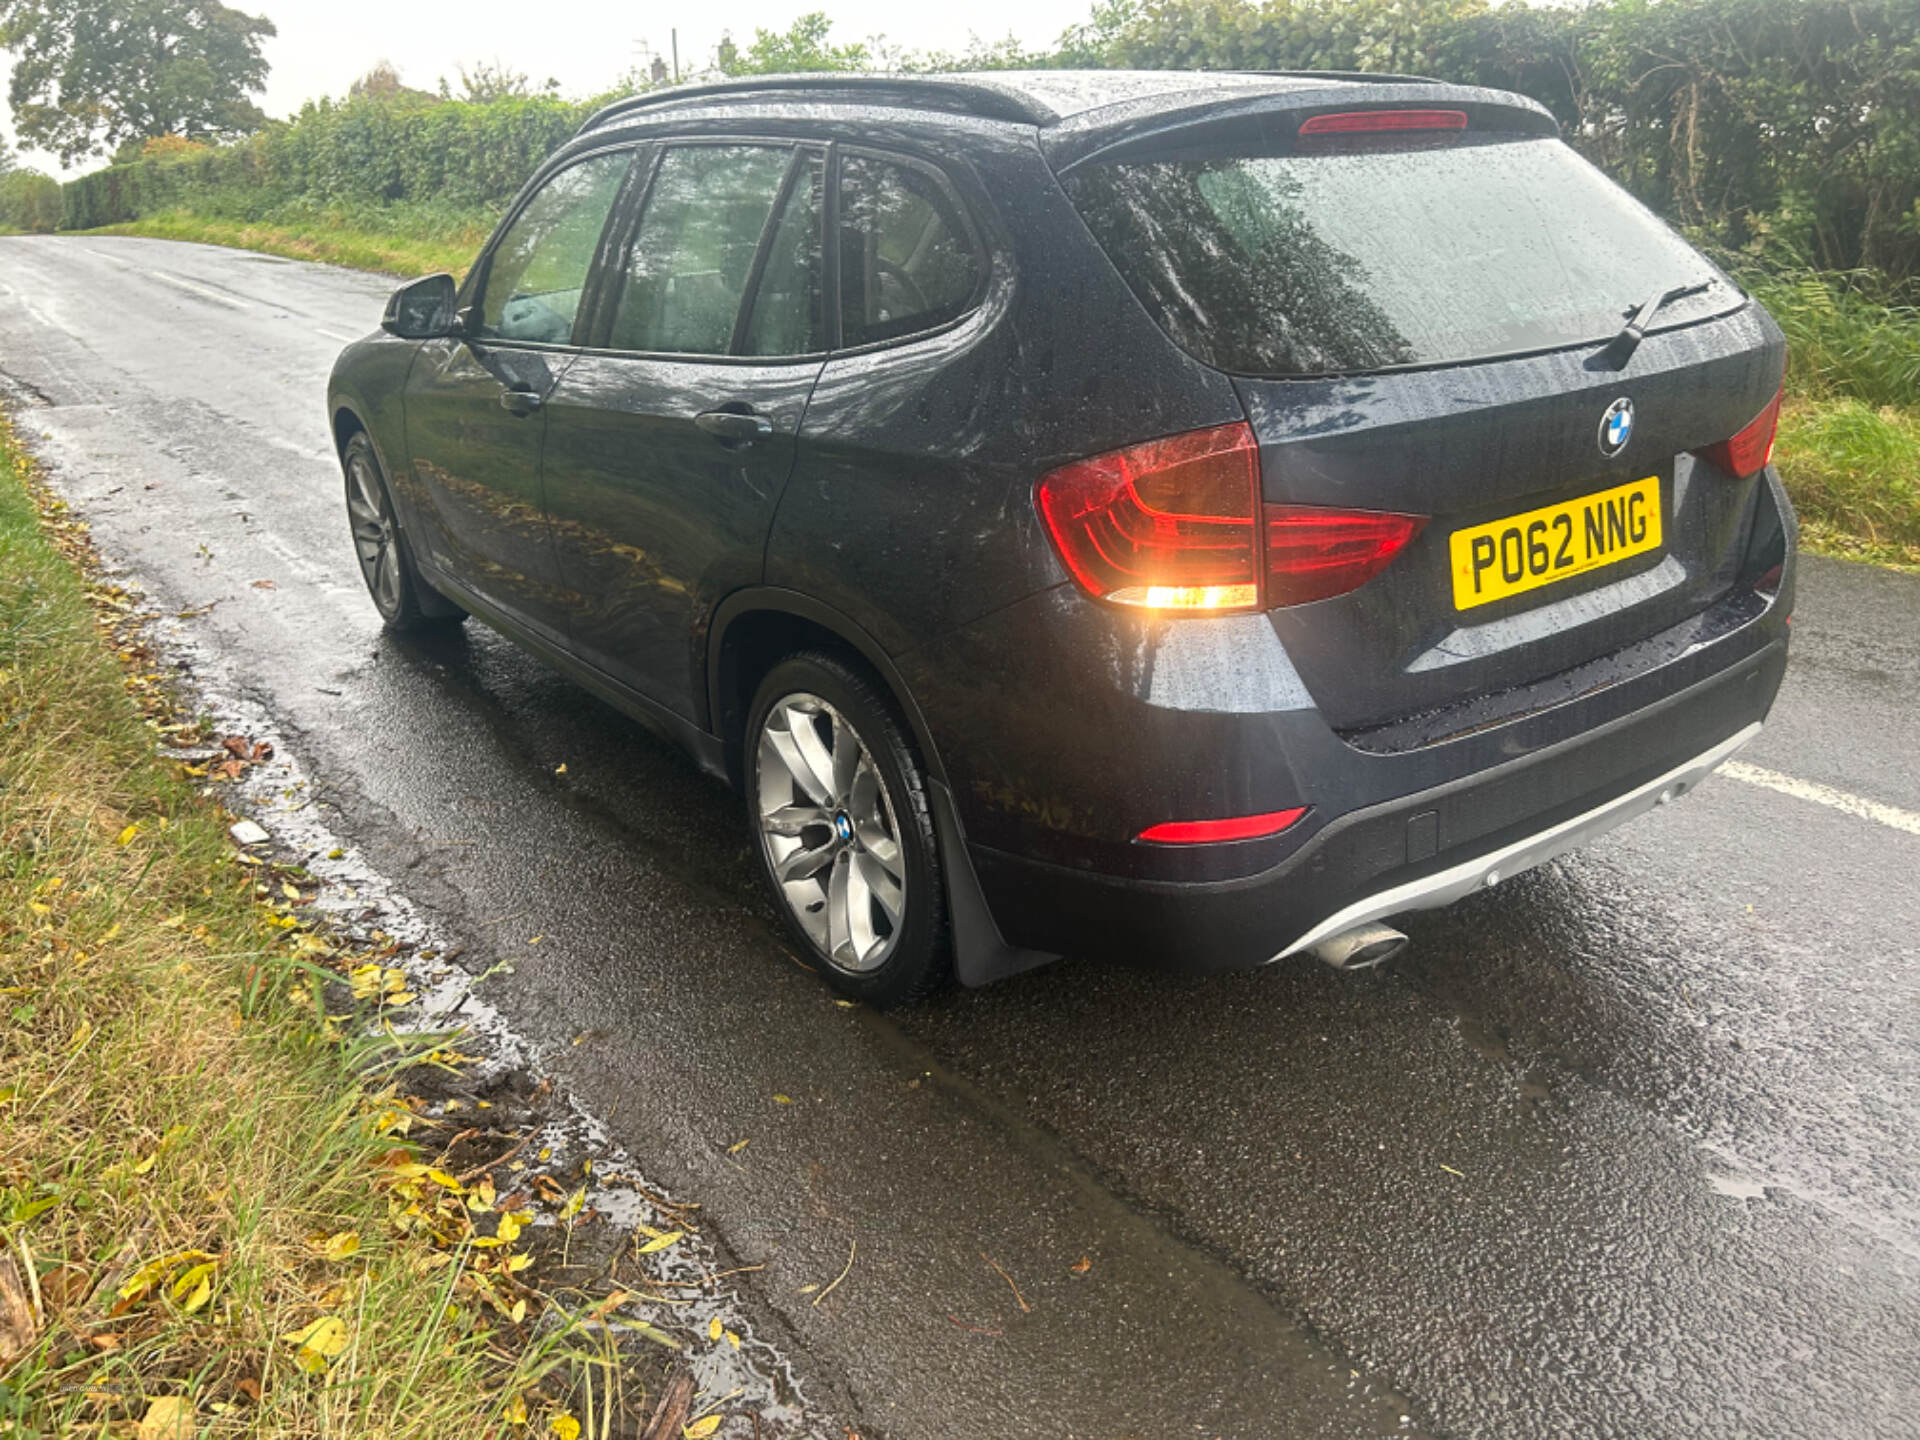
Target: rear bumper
1419, 849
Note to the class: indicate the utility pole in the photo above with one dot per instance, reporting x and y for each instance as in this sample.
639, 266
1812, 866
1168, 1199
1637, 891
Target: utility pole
676, 55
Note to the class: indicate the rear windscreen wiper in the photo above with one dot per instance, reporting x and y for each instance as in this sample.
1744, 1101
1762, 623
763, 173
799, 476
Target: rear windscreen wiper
1621, 347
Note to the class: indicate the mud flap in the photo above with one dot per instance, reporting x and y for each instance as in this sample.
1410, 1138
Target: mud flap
981, 954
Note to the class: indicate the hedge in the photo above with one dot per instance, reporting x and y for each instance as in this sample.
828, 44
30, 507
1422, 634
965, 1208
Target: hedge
365, 151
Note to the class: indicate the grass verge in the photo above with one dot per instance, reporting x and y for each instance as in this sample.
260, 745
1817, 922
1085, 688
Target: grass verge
206, 1224
1854, 473
335, 240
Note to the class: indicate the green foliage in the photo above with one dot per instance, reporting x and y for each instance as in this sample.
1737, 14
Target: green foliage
802, 46
89, 75
1793, 123
1848, 335
29, 201
373, 150
1855, 476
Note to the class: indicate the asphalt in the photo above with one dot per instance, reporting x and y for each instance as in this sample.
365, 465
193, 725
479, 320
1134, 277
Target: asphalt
1626, 1147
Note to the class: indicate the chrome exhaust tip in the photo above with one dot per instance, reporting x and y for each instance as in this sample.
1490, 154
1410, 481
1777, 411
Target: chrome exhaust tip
1360, 948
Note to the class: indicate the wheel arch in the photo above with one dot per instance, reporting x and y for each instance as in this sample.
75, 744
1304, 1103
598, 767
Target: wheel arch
753, 628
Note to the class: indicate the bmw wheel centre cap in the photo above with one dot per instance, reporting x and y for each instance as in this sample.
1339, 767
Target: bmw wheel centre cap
1616, 427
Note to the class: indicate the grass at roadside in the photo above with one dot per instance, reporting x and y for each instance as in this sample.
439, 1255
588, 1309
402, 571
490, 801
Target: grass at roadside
423, 249
192, 1165
1854, 474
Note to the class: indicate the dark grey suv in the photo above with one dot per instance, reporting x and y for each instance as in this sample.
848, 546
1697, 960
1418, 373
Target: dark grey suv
1190, 516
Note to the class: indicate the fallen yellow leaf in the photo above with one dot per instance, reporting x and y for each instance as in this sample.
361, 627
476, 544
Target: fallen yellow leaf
168, 1418
338, 1247
565, 1426
714, 1328
126, 838
661, 1242
701, 1428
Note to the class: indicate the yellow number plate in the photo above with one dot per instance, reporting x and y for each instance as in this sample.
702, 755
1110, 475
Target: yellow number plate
1555, 542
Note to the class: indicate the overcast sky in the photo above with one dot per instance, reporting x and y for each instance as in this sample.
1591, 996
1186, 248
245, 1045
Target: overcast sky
323, 45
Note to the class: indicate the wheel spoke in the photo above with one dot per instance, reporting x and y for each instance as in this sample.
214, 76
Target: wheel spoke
785, 746
802, 862
791, 821
813, 754
885, 889
839, 930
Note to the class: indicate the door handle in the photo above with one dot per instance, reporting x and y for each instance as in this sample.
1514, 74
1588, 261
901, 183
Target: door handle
731, 427
520, 402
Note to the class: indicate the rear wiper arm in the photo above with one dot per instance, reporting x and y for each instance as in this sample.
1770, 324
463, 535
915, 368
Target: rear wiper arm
1621, 347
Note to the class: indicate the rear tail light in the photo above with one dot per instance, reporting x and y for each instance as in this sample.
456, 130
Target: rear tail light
1372, 122
1750, 451
1211, 832
1166, 525
1315, 553
1170, 525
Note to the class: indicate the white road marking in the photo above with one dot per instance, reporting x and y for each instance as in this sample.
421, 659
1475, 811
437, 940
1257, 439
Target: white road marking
200, 290
113, 260
336, 335
1891, 816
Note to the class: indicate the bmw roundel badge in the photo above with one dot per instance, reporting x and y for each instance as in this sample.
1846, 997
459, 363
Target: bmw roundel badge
1616, 427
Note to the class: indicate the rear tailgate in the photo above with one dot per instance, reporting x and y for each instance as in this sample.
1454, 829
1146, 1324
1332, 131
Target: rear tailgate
1473, 445
1422, 309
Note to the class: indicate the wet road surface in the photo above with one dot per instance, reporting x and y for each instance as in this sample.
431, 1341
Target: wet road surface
1630, 1146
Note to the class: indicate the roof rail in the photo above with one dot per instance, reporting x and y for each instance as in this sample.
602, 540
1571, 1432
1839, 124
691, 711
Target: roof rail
929, 92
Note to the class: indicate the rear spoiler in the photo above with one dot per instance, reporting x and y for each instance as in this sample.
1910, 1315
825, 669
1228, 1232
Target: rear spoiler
1114, 132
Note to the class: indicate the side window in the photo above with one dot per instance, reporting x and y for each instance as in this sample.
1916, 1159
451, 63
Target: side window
540, 265
706, 211
789, 314
907, 262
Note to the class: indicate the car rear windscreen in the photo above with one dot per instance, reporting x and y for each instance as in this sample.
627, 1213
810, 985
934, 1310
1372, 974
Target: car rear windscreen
1366, 258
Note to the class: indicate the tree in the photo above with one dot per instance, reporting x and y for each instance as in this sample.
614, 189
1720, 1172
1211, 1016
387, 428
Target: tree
90, 75
487, 83
802, 46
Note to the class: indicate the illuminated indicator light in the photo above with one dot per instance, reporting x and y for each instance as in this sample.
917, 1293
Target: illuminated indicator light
1207, 832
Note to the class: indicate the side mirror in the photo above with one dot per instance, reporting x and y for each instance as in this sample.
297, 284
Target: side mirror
422, 309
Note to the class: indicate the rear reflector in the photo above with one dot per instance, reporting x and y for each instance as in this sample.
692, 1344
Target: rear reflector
1206, 832
1315, 553
1750, 451
1166, 525
1169, 525
1366, 122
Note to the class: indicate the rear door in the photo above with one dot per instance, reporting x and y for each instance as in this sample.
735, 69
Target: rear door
475, 423
1419, 323
669, 440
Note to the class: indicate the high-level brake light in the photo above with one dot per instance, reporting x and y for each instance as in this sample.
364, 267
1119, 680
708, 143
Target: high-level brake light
1373, 122
1170, 525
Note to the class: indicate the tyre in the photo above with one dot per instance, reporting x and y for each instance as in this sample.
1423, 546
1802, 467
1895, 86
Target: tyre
405, 602
837, 798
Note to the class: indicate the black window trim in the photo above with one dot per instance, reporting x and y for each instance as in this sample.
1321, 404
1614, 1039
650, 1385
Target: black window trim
970, 228
607, 296
472, 295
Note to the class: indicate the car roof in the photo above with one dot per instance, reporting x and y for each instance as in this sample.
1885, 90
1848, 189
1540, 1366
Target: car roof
1085, 102
1078, 114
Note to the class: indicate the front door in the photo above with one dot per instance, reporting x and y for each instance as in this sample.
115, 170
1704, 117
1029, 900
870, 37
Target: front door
670, 438
476, 420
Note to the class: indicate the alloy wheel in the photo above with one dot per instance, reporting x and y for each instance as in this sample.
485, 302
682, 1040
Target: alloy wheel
828, 829
375, 536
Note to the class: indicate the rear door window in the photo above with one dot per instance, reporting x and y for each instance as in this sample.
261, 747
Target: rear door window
908, 261
1369, 257
707, 212
537, 271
